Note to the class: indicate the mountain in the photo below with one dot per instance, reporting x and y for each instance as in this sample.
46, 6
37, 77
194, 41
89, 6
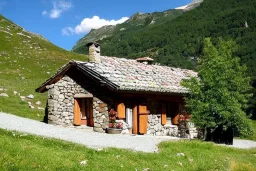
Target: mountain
190, 6
137, 22
26, 61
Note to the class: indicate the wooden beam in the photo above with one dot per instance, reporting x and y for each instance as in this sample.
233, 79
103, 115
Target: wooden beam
135, 120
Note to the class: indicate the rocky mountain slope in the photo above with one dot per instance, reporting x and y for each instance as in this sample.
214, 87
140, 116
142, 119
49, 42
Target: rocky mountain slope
26, 61
136, 22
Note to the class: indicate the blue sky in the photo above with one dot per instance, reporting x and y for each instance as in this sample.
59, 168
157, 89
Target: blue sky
64, 22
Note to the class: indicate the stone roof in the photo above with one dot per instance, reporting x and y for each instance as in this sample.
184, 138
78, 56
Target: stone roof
130, 75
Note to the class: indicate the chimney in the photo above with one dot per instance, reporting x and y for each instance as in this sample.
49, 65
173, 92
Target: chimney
94, 52
145, 60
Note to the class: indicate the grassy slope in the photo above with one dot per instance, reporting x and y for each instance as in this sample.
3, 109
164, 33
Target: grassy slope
19, 152
26, 62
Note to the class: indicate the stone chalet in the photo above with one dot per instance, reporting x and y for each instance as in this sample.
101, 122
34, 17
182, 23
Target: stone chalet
147, 97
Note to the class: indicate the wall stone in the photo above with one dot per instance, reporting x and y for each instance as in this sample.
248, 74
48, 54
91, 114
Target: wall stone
156, 128
61, 104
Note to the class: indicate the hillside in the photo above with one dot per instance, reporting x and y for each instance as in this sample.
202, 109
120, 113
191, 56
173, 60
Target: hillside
138, 21
26, 61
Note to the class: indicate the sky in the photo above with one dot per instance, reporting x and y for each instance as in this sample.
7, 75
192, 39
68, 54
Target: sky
64, 22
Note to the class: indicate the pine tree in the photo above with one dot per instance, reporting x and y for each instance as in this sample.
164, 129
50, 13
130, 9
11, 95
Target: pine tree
219, 95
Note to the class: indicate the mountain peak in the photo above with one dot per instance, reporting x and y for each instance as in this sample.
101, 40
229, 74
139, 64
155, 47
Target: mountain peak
191, 5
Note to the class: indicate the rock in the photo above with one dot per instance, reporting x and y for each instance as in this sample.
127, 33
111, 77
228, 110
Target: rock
65, 114
84, 162
40, 108
32, 107
31, 96
38, 103
180, 154
53, 118
61, 96
3, 95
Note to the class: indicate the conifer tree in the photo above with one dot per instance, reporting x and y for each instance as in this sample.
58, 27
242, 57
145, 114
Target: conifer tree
219, 95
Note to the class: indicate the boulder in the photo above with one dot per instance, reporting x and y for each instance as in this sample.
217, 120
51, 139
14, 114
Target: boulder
3, 95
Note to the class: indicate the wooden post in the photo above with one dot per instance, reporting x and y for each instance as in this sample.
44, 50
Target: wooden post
90, 110
135, 121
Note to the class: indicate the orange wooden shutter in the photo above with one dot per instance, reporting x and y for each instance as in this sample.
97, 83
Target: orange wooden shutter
143, 120
163, 118
135, 120
77, 117
121, 110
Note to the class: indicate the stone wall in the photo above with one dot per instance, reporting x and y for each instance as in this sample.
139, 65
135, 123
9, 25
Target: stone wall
100, 115
155, 127
61, 104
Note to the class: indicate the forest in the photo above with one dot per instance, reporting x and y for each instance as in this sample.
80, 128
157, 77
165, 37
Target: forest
179, 42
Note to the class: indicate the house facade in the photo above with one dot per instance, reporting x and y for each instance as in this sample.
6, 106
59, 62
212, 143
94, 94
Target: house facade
147, 97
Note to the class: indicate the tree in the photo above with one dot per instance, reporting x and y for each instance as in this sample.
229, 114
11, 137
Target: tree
220, 93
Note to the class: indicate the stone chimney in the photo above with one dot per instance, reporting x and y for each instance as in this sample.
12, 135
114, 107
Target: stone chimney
94, 52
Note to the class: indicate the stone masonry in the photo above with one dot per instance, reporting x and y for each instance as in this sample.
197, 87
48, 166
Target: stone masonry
156, 128
61, 104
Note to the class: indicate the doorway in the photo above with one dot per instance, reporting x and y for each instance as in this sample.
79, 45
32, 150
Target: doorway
83, 111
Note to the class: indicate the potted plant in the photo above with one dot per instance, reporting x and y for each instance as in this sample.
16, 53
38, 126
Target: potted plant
114, 128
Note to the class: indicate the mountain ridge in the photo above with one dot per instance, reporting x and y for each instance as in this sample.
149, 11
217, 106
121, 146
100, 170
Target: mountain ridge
136, 22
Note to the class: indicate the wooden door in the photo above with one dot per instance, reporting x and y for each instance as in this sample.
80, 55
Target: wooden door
143, 119
83, 111
77, 112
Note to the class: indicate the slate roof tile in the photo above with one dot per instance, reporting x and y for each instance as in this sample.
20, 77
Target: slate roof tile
129, 74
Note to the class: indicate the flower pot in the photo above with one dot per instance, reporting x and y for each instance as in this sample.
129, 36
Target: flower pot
114, 131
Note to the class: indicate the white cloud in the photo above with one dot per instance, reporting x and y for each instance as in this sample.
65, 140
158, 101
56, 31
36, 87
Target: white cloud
91, 23
58, 8
67, 31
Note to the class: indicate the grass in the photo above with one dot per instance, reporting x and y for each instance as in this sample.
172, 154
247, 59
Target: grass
27, 152
26, 61
252, 137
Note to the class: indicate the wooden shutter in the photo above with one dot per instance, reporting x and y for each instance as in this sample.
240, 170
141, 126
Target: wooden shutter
135, 120
163, 118
143, 119
121, 110
77, 115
